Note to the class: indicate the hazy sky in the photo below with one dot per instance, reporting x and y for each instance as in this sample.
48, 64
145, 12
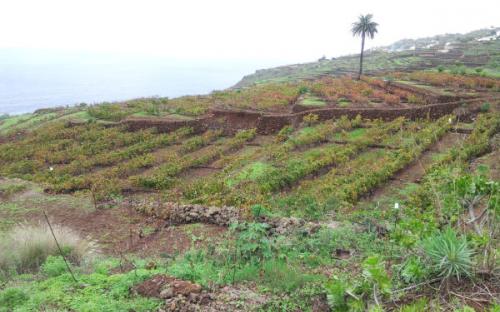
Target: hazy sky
287, 31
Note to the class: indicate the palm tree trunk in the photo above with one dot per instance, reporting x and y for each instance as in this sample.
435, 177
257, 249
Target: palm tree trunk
361, 56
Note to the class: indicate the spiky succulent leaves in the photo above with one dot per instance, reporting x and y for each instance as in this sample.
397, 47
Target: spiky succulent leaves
449, 254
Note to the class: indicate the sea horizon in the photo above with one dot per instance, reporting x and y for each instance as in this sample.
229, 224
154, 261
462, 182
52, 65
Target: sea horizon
30, 81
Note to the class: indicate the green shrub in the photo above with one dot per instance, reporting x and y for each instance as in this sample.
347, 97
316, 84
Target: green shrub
10, 189
245, 135
259, 211
284, 134
54, 266
102, 292
420, 305
253, 243
10, 298
107, 111
357, 122
440, 68
414, 270
310, 119
196, 266
303, 90
375, 274
30, 245
449, 254
341, 296
485, 107
283, 277
344, 123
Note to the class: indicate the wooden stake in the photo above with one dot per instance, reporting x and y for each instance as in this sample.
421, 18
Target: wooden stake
59, 247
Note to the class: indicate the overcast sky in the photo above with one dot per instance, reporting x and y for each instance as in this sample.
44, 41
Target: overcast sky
288, 31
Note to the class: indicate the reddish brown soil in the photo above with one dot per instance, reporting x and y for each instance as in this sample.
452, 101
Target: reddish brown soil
263, 139
216, 165
415, 171
492, 161
200, 172
153, 287
122, 230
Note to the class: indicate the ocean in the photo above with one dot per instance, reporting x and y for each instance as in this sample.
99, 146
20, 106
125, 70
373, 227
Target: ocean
29, 82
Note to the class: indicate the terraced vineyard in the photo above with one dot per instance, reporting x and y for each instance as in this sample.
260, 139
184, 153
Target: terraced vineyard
285, 190
311, 149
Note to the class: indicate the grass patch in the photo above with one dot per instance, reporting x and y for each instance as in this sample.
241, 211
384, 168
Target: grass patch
251, 172
30, 245
311, 100
7, 190
351, 135
79, 116
343, 103
12, 121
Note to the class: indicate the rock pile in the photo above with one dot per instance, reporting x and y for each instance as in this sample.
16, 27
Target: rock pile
177, 214
186, 213
226, 299
179, 295
165, 287
184, 296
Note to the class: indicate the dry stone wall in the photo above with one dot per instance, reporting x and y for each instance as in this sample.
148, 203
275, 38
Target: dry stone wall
232, 120
176, 214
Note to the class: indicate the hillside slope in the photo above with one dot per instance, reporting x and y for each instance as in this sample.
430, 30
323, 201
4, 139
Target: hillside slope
480, 48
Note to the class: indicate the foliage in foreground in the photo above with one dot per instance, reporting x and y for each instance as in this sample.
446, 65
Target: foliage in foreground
54, 289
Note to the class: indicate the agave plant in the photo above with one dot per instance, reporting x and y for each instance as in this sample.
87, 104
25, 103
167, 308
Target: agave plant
450, 254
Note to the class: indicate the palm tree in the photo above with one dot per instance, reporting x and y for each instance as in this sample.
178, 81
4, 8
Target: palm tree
364, 26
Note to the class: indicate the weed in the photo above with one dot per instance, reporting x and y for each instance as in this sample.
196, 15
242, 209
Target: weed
485, 107
53, 266
10, 298
310, 119
30, 245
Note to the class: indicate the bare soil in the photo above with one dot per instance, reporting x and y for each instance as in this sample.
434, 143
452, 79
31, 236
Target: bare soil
416, 170
118, 229
122, 230
492, 161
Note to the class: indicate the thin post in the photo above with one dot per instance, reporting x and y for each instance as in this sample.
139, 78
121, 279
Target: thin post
59, 247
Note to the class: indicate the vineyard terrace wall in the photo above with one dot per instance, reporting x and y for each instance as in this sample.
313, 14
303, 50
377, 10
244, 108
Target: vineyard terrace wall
233, 120
166, 125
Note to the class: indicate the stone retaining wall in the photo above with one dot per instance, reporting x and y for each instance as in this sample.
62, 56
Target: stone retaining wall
177, 214
166, 125
184, 214
233, 120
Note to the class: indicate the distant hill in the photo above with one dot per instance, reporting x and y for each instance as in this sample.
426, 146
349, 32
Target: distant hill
480, 48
